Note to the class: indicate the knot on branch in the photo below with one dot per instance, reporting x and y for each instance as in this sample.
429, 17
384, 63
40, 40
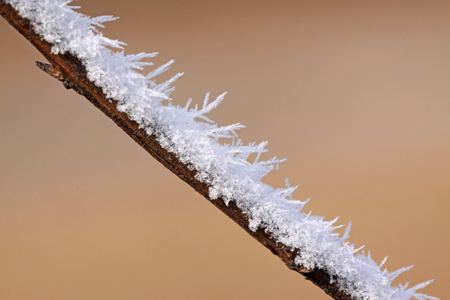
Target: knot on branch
55, 72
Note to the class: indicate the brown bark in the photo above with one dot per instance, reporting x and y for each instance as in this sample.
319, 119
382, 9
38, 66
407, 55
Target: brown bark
70, 71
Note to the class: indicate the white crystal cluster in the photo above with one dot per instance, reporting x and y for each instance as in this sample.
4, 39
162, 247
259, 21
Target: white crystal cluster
199, 142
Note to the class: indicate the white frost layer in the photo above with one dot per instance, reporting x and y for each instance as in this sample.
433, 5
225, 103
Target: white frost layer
194, 138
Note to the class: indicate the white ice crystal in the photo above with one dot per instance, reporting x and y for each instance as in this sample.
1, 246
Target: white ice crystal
198, 142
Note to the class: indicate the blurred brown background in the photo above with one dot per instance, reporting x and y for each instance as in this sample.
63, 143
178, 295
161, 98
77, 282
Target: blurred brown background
354, 93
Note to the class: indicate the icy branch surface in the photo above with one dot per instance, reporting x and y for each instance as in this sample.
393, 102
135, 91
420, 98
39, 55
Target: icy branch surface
199, 143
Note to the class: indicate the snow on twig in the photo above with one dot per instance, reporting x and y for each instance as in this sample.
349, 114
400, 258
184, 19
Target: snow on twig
217, 154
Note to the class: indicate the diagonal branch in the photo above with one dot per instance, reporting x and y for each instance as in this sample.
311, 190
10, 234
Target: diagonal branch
70, 71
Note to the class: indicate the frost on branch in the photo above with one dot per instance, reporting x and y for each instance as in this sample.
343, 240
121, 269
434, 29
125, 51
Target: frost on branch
220, 158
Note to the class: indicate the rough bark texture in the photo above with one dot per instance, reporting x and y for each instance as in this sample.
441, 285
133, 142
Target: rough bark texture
70, 71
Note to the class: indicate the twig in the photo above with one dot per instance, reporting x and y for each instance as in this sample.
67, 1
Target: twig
70, 71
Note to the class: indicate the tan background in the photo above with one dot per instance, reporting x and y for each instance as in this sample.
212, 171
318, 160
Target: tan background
354, 93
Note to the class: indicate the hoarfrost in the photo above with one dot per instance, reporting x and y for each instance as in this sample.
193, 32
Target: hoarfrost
194, 138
